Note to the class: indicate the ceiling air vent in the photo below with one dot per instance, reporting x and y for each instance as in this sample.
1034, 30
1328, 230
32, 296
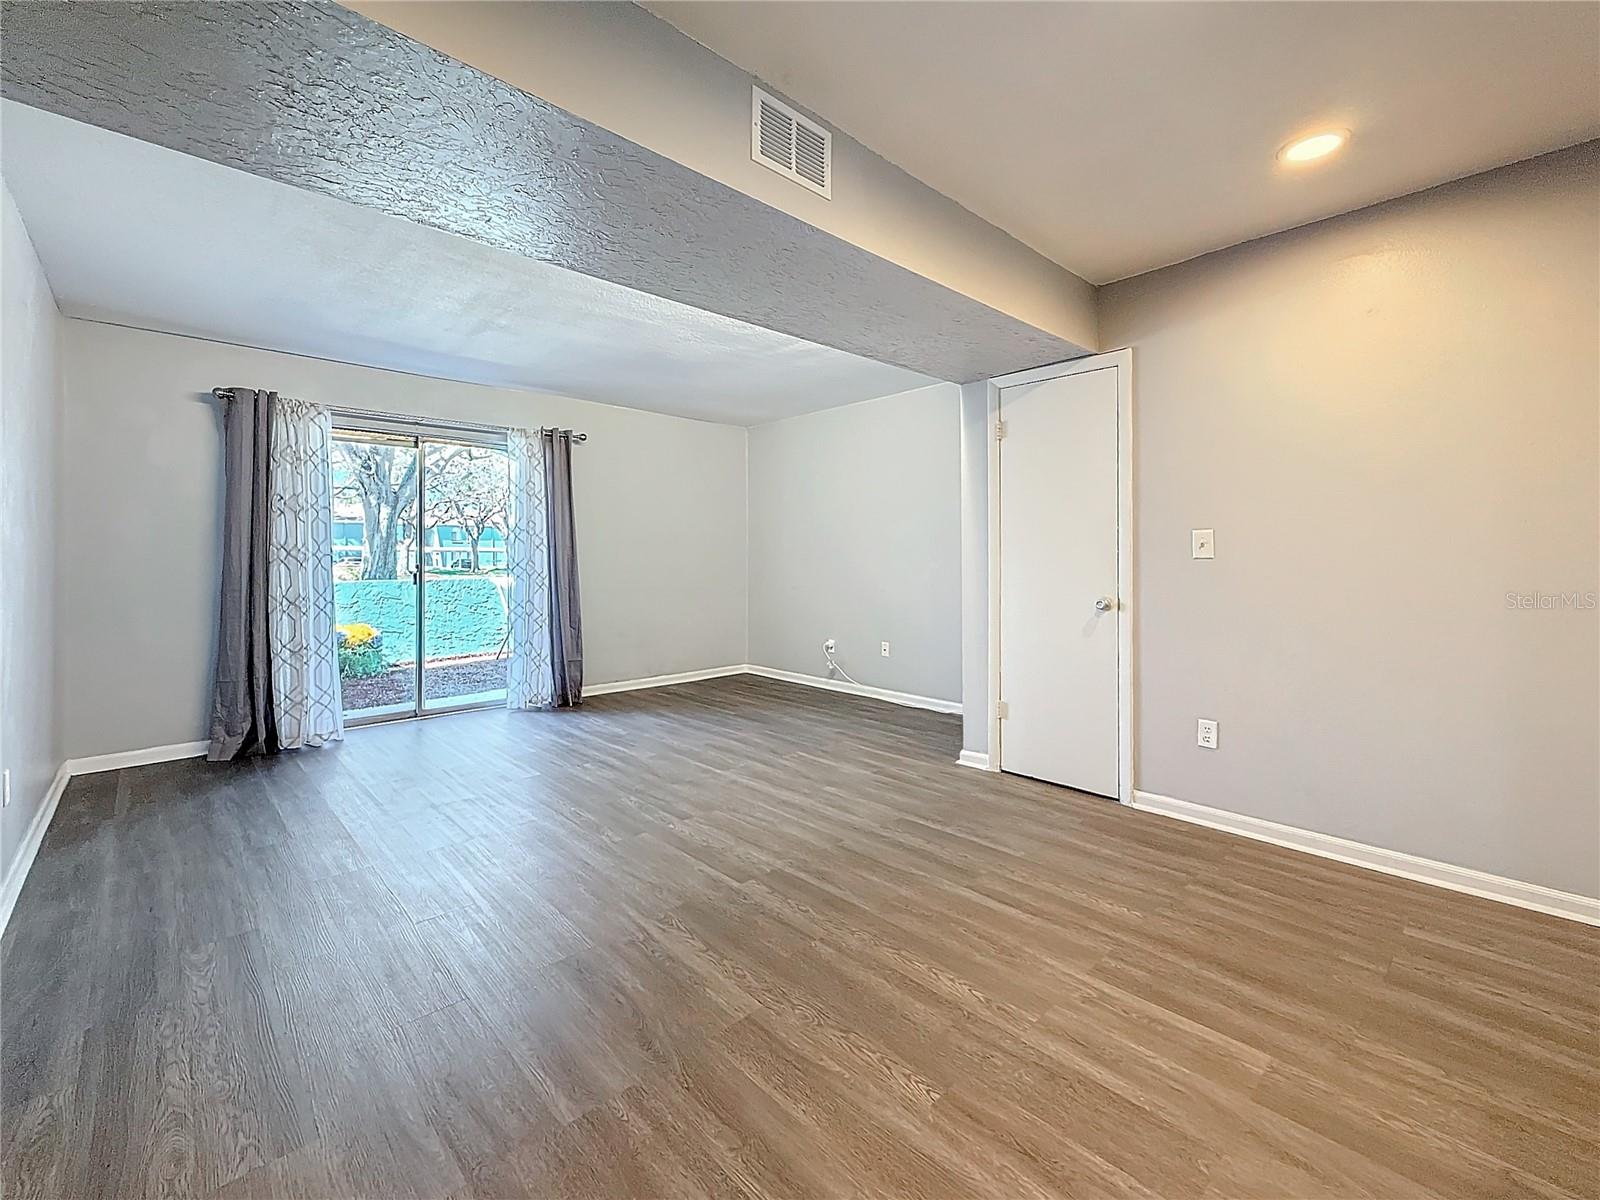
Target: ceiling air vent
792, 145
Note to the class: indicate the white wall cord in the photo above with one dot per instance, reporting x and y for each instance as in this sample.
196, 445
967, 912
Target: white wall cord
827, 653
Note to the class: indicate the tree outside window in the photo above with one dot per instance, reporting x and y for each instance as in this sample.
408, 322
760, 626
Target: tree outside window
469, 488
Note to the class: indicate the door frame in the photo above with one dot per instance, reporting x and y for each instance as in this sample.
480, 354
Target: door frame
1122, 361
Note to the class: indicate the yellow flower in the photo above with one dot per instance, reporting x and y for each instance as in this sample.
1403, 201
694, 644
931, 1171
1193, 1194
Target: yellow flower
357, 634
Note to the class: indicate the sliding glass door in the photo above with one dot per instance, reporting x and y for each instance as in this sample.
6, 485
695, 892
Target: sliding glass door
420, 585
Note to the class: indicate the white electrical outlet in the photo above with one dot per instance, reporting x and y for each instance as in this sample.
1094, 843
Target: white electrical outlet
1203, 543
883, 649
1206, 733
6, 787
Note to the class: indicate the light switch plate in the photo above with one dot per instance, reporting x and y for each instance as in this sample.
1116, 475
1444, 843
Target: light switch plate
1206, 734
883, 649
1203, 543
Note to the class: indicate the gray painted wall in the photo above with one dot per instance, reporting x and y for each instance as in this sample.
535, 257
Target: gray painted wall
1390, 419
855, 534
30, 390
660, 506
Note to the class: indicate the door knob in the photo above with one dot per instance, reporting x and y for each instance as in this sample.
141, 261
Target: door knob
1104, 604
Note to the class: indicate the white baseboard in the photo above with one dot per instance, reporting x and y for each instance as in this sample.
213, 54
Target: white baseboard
655, 681
975, 759
34, 838
856, 689
29, 850
1391, 862
816, 681
134, 758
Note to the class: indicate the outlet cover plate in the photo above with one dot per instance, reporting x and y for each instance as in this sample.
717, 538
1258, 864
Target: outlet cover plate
1206, 733
1203, 543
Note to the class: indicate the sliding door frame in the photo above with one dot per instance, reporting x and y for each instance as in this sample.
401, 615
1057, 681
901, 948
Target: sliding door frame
419, 433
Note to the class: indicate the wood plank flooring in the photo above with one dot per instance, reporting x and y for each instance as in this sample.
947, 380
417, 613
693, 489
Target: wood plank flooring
741, 939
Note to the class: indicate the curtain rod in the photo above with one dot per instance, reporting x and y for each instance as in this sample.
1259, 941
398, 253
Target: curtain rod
227, 394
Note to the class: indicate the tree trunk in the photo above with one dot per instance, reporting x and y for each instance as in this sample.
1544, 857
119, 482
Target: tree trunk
476, 537
373, 514
382, 552
382, 506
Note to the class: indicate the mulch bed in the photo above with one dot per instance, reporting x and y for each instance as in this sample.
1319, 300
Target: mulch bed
443, 680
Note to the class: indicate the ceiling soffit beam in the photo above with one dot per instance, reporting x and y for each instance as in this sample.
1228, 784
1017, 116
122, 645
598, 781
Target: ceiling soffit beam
319, 97
627, 70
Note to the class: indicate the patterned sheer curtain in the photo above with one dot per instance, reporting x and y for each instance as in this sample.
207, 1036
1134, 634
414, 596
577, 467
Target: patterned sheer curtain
546, 667
528, 681
305, 663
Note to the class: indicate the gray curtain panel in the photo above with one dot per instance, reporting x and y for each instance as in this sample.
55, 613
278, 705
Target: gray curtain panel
566, 621
242, 719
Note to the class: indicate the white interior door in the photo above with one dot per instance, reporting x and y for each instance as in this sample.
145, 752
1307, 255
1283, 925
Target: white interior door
1059, 610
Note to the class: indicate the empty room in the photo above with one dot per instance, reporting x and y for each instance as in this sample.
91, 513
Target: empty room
800, 600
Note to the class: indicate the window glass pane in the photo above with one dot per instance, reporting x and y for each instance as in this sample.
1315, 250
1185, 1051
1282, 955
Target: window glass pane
374, 561
465, 630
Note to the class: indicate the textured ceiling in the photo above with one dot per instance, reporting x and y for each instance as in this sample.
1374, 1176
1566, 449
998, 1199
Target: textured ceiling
1119, 137
318, 97
313, 275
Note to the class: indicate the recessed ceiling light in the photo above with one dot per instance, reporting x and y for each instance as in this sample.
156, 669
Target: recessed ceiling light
1318, 145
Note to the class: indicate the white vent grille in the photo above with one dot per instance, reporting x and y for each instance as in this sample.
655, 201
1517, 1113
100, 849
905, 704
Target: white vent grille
793, 146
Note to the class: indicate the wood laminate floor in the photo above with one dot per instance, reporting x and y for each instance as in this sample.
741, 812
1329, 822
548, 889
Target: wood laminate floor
741, 939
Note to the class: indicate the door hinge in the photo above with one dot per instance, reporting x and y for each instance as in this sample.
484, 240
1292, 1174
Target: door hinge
1002, 710
999, 431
